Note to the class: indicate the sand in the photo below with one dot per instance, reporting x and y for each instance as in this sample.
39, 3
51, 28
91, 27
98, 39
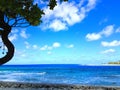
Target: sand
39, 86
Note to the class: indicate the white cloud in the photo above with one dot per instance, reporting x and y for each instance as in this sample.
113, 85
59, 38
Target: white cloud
13, 37
108, 51
0, 39
49, 47
118, 30
57, 25
23, 34
27, 45
56, 45
70, 46
110, 44
31, 46
35, 47
91, 4
66, 14
20, 53
93, 36
45, 47
107, 31
14, 31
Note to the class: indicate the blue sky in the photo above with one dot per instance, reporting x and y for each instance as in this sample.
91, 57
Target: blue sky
75, 32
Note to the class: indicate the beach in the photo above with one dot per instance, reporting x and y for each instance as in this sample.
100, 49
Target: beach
43, 86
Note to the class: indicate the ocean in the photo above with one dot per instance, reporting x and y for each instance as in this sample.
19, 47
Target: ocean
62, 74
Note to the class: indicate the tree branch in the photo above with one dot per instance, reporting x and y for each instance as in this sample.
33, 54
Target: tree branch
17, 20
22, 26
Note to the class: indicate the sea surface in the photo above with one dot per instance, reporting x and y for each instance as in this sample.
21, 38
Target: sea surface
62, 74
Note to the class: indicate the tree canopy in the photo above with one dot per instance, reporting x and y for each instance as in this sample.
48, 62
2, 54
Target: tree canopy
19, 13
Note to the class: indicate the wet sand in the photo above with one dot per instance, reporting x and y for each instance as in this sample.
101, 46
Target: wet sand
41, 86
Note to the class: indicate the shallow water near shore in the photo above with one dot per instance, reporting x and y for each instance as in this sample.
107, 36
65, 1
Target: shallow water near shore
62, 74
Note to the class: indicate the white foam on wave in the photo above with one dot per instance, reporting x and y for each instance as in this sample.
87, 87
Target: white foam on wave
10, 80
41, 73
16, 76
25, 73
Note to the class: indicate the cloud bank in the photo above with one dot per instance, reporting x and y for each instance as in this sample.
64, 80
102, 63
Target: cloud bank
66, 14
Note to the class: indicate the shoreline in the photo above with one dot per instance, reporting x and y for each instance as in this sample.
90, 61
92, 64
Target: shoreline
44, 86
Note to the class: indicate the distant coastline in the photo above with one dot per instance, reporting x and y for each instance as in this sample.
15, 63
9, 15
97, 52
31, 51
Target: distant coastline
114, 63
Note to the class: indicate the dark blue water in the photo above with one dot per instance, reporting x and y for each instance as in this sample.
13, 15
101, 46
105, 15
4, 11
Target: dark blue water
62, 74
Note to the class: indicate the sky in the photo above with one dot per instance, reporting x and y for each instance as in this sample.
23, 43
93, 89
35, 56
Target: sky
75, 32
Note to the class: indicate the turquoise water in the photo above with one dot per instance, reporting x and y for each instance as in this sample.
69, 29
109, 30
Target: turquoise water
62, 74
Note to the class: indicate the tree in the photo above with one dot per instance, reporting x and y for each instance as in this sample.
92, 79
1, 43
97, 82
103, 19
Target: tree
18, 13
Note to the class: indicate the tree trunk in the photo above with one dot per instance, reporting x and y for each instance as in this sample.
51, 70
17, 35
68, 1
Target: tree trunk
9, 46
4, 35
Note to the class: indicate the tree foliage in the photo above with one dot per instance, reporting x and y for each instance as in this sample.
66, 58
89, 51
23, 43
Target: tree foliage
23, 12
19, 13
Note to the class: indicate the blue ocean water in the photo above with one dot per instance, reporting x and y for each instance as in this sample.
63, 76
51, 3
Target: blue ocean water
62, 74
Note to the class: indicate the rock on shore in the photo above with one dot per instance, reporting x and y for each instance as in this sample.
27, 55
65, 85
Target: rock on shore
38, 86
